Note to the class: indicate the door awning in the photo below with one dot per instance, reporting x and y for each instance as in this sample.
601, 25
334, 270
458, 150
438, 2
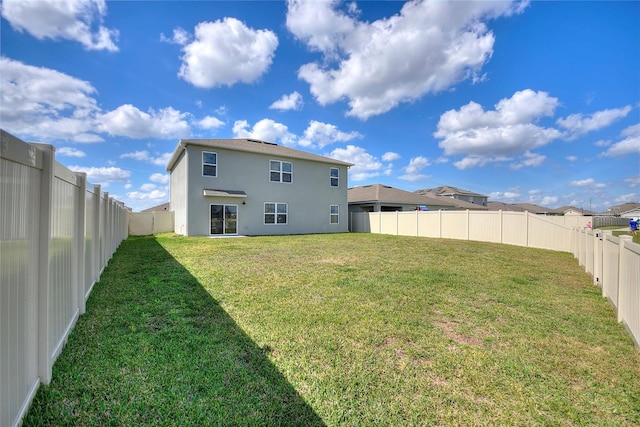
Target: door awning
224, 193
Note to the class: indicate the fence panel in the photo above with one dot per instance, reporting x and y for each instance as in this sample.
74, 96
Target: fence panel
49, 226
629, 287
610, 265
485, 226
515, 228
146, 223
20, 169
454, 225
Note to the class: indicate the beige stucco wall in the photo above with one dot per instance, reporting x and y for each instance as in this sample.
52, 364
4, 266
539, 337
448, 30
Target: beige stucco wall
308, 197
178, 195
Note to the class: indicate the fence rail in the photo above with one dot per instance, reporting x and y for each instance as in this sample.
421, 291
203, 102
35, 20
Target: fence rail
57, 233
614, 262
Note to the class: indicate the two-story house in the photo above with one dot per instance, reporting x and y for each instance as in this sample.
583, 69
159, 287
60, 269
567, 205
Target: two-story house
251, 187
456, 193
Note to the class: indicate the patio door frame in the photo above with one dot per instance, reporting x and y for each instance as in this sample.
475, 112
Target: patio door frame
225, 219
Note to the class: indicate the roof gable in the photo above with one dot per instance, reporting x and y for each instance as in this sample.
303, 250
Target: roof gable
251, 146
379, 193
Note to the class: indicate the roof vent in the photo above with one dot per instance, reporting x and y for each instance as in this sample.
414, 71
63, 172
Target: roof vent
257, 141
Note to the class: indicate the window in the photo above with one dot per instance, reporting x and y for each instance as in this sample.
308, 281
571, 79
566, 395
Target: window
209, 164
335, 177
275, 213
280, 171
334, 214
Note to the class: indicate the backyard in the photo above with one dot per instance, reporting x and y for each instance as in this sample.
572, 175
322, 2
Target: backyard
345, 329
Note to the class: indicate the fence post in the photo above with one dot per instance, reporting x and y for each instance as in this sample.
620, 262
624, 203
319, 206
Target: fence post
501, 226
526, 227
46, 203
468, 225
79, 232
597, 257
621, 268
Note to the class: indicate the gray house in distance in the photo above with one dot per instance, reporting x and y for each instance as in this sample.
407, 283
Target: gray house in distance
456, 193
251, 187
384, 198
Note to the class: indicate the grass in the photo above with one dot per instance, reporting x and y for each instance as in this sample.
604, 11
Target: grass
352, 329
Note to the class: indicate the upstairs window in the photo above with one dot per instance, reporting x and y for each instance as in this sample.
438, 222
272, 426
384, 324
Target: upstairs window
209, 164
335, 177
280, 171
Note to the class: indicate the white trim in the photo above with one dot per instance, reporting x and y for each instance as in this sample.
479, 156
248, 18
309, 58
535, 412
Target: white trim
281, 171
275, 213
331, 214
336, 177
209, 164
224, 233
207, 192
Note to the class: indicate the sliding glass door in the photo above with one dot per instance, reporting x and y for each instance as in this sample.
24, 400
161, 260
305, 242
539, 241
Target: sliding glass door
224, 219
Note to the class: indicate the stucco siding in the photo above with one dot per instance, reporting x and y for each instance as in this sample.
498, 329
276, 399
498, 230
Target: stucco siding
178, 195
308, 197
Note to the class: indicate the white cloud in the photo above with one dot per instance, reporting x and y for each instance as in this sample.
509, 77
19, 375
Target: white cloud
627, 198
390, 156
530, 160
180, 36
45, 104
149, 195
549, 201
129, 121
210, 122
70, 152
413, 169
148, 187
103, 174
633, 181
320, 135
572, 158
429, 46
265, 130
588, 182
490, 136
145, 156
506, 196
292, 101
628, 146
77, 20
365, 165
225, 52
160, 178
577, 124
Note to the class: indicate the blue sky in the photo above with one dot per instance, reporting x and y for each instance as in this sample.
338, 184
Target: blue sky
524, 102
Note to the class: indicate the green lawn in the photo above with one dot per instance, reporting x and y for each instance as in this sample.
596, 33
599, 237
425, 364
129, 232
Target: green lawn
349, 329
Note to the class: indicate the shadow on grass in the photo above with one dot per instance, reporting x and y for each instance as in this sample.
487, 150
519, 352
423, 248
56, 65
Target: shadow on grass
154, 348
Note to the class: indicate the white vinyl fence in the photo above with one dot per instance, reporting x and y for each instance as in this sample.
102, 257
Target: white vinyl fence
146, 223
614, 262
57, 234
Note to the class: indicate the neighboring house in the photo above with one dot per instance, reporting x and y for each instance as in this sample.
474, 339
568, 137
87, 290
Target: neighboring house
625, 210
518, 207
251, 187
159, 208
570, 210
383, 198
456, 193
